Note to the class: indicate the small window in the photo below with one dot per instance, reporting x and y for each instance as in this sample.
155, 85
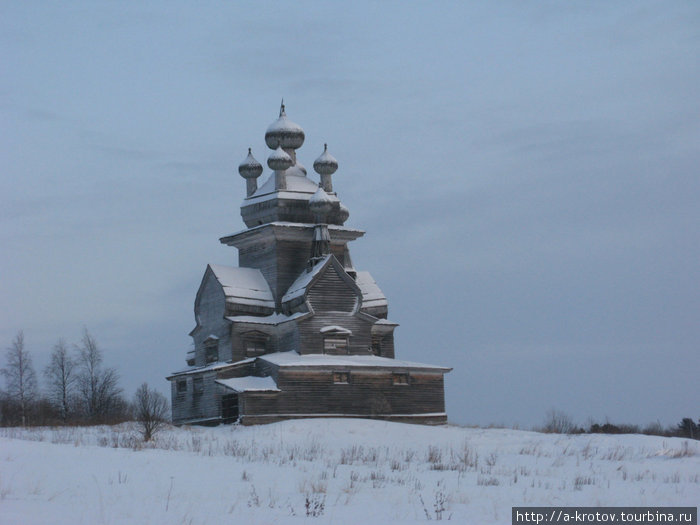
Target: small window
198, 385
255, 343
400, 379
182, 386
341, 377
211, 351
376, 345
254, 348
335, 345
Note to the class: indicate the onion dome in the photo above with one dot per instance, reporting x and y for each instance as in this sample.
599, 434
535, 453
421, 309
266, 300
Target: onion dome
320, 203
343, 213
279, 160
250, 168
283, 132
326, 164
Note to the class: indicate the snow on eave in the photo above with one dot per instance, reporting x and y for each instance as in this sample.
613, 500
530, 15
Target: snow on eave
250, 384
294, 360
372, 295
273, 319
386, 322
228, 239
336, 329
246, 286
210, 368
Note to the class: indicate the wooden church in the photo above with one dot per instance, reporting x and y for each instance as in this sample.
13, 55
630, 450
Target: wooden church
295, 331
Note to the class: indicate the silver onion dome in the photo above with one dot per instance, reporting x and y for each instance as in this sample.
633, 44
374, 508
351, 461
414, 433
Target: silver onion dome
250, 168
325, 164
283, 132
279, 160
320, 203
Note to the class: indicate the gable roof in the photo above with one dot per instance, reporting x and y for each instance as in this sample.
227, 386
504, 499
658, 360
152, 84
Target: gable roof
371, 294
243, 285
298, 287
308, 277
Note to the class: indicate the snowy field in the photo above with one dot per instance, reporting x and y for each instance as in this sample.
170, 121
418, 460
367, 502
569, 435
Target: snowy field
330, 471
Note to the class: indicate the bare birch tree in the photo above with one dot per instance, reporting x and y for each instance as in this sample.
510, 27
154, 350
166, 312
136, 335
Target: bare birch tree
61, 377
98, 388
150, 410
20, 379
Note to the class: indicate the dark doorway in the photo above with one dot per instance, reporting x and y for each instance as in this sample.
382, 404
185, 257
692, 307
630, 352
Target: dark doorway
229, 408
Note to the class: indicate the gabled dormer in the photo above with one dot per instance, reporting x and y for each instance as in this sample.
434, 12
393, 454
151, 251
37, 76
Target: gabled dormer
324, 288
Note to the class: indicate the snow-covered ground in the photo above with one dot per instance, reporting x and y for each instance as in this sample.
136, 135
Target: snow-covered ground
330, 471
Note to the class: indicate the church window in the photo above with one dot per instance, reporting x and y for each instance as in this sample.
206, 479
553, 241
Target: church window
255, 343
400, 379
198, 385
182, 386
376, 345
211, 349
335, 345
341, 377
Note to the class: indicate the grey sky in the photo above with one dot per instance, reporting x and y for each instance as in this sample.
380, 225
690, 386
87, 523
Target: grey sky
527, 174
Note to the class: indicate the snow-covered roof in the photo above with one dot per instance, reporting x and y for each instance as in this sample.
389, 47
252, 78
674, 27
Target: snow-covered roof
244, 285
335, 328
371, 294
298, 287
211, 367
299, 186
280, 227
273, 319
250, 384
293, 359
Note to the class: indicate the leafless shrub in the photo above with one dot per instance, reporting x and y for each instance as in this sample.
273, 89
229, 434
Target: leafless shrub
439, 505
253, 499
581, 481
487, 481
434, 455
685, 451
558, 422
314, 504
150, 410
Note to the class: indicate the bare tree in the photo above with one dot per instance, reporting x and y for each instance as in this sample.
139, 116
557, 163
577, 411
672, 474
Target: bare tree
61, 377
98, 388
20, 379
558, 422
150, 410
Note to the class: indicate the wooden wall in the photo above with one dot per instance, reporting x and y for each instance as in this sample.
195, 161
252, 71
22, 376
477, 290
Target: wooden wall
210, 310
368, 393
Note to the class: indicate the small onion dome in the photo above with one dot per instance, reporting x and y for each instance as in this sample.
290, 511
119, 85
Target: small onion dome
250, 168
320, 203
343, 213
283, 132
279, 160
326, 163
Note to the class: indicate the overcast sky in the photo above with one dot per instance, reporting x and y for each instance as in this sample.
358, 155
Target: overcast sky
527, 174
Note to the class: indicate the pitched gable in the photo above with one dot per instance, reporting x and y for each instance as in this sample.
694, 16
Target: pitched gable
243, 286
327, 288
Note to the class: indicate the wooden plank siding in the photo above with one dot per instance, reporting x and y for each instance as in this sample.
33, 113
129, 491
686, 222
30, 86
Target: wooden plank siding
311, 338
189, 407
209, 312
369, 393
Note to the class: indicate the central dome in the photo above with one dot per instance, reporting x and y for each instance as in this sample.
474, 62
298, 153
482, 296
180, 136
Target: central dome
285, 133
